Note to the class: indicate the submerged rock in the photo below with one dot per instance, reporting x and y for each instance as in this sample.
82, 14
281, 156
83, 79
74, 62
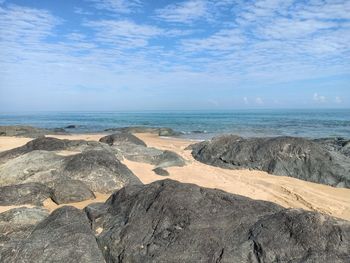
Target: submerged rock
287, 156
30, 193
64, 236
70, 191
186, 223
143, 129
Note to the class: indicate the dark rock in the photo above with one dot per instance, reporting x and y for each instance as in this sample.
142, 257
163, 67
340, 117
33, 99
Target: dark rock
64, 236
51, 144
142, 129
168, 158
186, 223
287, 156
15, 225
70, 191
99, 170
340, 145
30, 193
71, 127
122, 138
161, 171
25, 131
59, 131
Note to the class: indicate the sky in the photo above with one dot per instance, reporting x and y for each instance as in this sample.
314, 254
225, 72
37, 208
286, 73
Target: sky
104, 55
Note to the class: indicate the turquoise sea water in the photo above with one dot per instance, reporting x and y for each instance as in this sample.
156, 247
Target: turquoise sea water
199, 124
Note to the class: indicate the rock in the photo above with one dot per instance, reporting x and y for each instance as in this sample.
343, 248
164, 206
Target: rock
142, 129
59, 130
15, 225
35, 166
71, 127
287, 156
25, 131
161, 171
99, 170
186, 223
51, 144
64, 236
122, 138
70, 191
340, 145
168, 159
30, 193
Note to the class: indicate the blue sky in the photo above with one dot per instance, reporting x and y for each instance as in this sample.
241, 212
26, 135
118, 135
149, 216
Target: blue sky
156, 55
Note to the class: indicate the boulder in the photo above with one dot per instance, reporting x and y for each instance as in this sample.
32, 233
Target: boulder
122, 138
187, 223
71, 126
287, 156
168, 159
64, 236
15, 225
34, 166
70, 191
161, 171
100, 170
26, 131
30, 193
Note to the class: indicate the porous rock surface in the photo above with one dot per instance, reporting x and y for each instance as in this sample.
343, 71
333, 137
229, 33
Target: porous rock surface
288, 156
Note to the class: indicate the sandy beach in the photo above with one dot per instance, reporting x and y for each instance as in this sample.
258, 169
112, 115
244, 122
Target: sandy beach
285, 191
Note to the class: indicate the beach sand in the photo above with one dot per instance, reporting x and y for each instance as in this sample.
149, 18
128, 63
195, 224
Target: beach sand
285, 191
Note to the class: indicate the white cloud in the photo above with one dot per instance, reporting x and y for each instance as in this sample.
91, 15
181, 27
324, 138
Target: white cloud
259, 101
117, 6
184, 12
245, 100
338, 100
123, 33
319, 98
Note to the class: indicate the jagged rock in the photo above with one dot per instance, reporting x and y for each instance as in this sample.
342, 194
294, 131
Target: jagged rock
161, 171
15, 226
25, 131
99, 170
30, 193
122, 138
64, 236
287, 156
167, 220
338, 144
70, 191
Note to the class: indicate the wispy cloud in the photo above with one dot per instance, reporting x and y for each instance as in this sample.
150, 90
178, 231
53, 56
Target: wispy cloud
319, 98
184, 12
117, 6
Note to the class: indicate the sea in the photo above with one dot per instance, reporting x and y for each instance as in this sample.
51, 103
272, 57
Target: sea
199, 125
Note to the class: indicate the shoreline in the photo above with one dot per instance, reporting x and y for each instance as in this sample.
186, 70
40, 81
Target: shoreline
286, 191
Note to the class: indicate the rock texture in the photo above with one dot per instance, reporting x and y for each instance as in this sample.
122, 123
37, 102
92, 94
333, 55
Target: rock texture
26, 131
30, 193
99, 170
161, 171
288, 156
64, 236
15, 226
122, 138
167, 221
70, 191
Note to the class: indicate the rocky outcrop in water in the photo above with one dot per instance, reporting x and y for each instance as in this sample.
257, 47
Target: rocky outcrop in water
27, 131
287, 156
143, 129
